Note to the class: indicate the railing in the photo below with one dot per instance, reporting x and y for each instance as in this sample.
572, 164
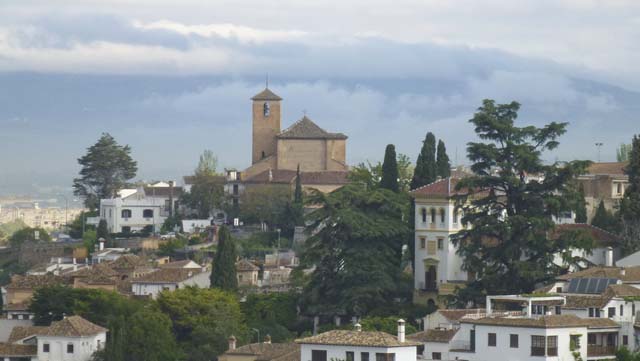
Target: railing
597, 350
461, 345
475, 316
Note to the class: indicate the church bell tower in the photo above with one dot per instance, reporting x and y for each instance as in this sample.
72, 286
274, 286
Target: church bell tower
266, 124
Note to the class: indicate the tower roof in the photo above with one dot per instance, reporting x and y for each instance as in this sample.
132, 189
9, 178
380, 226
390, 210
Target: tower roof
305, 128
266, 94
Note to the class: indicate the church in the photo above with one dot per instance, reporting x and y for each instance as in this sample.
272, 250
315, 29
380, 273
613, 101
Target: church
277, 153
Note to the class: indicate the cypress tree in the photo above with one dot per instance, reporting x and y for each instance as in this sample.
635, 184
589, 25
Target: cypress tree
298, 201
425, 171
581, 206
443, 166
630, 205
390, 170
602, 218
223, 273
297, 195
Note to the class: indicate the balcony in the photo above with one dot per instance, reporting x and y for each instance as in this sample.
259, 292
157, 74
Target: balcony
599, 350
462, 346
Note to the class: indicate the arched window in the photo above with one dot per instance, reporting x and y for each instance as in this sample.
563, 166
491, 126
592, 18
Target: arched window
455, 215
433, 215
442, 215
266, 109
147, 213
424, 215
126, 213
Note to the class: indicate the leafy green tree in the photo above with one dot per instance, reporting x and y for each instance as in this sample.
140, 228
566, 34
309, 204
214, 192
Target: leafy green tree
443, 166
369, 175
297, 207
405, 172
103, 231
223, 273
509, 217
425, 171
630, 205
581, 206
29, 234
356, 249
265, 203
106, 168
9, 228
149, 337
273, 313
387, 324
202, 320
390, 170
603, 218
89, 240
623, 153
207, 190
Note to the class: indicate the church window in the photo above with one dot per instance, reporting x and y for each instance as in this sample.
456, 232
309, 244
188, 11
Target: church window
424, 215
442, 215
266, 108
433, 215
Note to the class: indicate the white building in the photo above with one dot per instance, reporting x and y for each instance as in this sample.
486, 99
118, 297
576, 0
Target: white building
71, 339
358, 345
169, 279
134, 209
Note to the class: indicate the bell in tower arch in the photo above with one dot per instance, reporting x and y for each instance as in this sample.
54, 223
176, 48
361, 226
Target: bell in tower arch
266, 108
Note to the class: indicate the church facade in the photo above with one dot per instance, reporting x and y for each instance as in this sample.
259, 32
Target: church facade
277, 153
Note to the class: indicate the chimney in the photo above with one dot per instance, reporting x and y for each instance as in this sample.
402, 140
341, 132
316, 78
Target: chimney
270, 175
267, 338
358, 327
400, 330
623, 271
101, 242
232, 342
608, 257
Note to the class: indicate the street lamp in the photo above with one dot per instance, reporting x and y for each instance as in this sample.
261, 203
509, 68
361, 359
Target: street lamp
258, 331
599, 145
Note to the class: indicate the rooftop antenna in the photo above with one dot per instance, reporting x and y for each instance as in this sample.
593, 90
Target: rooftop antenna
599, 145
267, 81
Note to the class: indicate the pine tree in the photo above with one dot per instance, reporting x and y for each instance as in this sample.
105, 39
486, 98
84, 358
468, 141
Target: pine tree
390, 170
581, 206
425, 171
223, 272
630, 205
443, 166
603, 218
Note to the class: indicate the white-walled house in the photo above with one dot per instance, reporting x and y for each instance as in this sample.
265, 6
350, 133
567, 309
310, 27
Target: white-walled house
358, 345
135, 209
169, 279
70, 339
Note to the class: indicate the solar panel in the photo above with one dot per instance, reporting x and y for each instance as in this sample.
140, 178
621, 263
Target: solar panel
582, 285
573, 285
590, 285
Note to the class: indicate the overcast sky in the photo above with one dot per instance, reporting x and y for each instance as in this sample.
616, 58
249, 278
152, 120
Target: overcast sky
172, 78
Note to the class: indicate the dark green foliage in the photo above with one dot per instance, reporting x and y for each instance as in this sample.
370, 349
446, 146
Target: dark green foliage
581, 206
202, 320
443, 166
170, 247
170, 224
223, 273
206, 195
356, 251
297, 194
390, 176
273, 313
102, 231
630, 205
388, 324
425, 171
9, 228
106, 168
513, 253
149, 337
77, 226
265, 203
29, 234
623, 354
604, 219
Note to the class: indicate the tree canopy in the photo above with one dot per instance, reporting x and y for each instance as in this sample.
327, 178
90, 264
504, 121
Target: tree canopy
389, 179
106, 168
356, 249
630, 205
370, 175
207, 191
514, 196
425, 171
223, 273
29, 234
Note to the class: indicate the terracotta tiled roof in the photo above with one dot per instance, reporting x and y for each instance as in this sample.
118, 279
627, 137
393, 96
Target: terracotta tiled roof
623, 290
357, 338
101, 269
21, 332
285, 176
177, 264
73, 326
599, 235
36, 281
10, 350
433, 336
22, 306
631, 274
246, 266
457, 313
553, 321
267, 351
190, 179
266, 94
442, 188
601, 323
167, 275
162, 191
581, 301
305, 128
610, 168
127, 261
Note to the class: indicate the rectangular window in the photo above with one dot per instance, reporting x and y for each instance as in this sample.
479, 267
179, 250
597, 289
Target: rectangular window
440, 243
591, 312
45, 347
70, 348
423, 243
558, 289
558, 310
436, 356
350, 356
597, 312
385, 356
364, 356
625, 340
491, 340
552, 346
612, 312
591, 339
513, 341
574, 342
318, 355
621, 310
455, 215
537, 345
